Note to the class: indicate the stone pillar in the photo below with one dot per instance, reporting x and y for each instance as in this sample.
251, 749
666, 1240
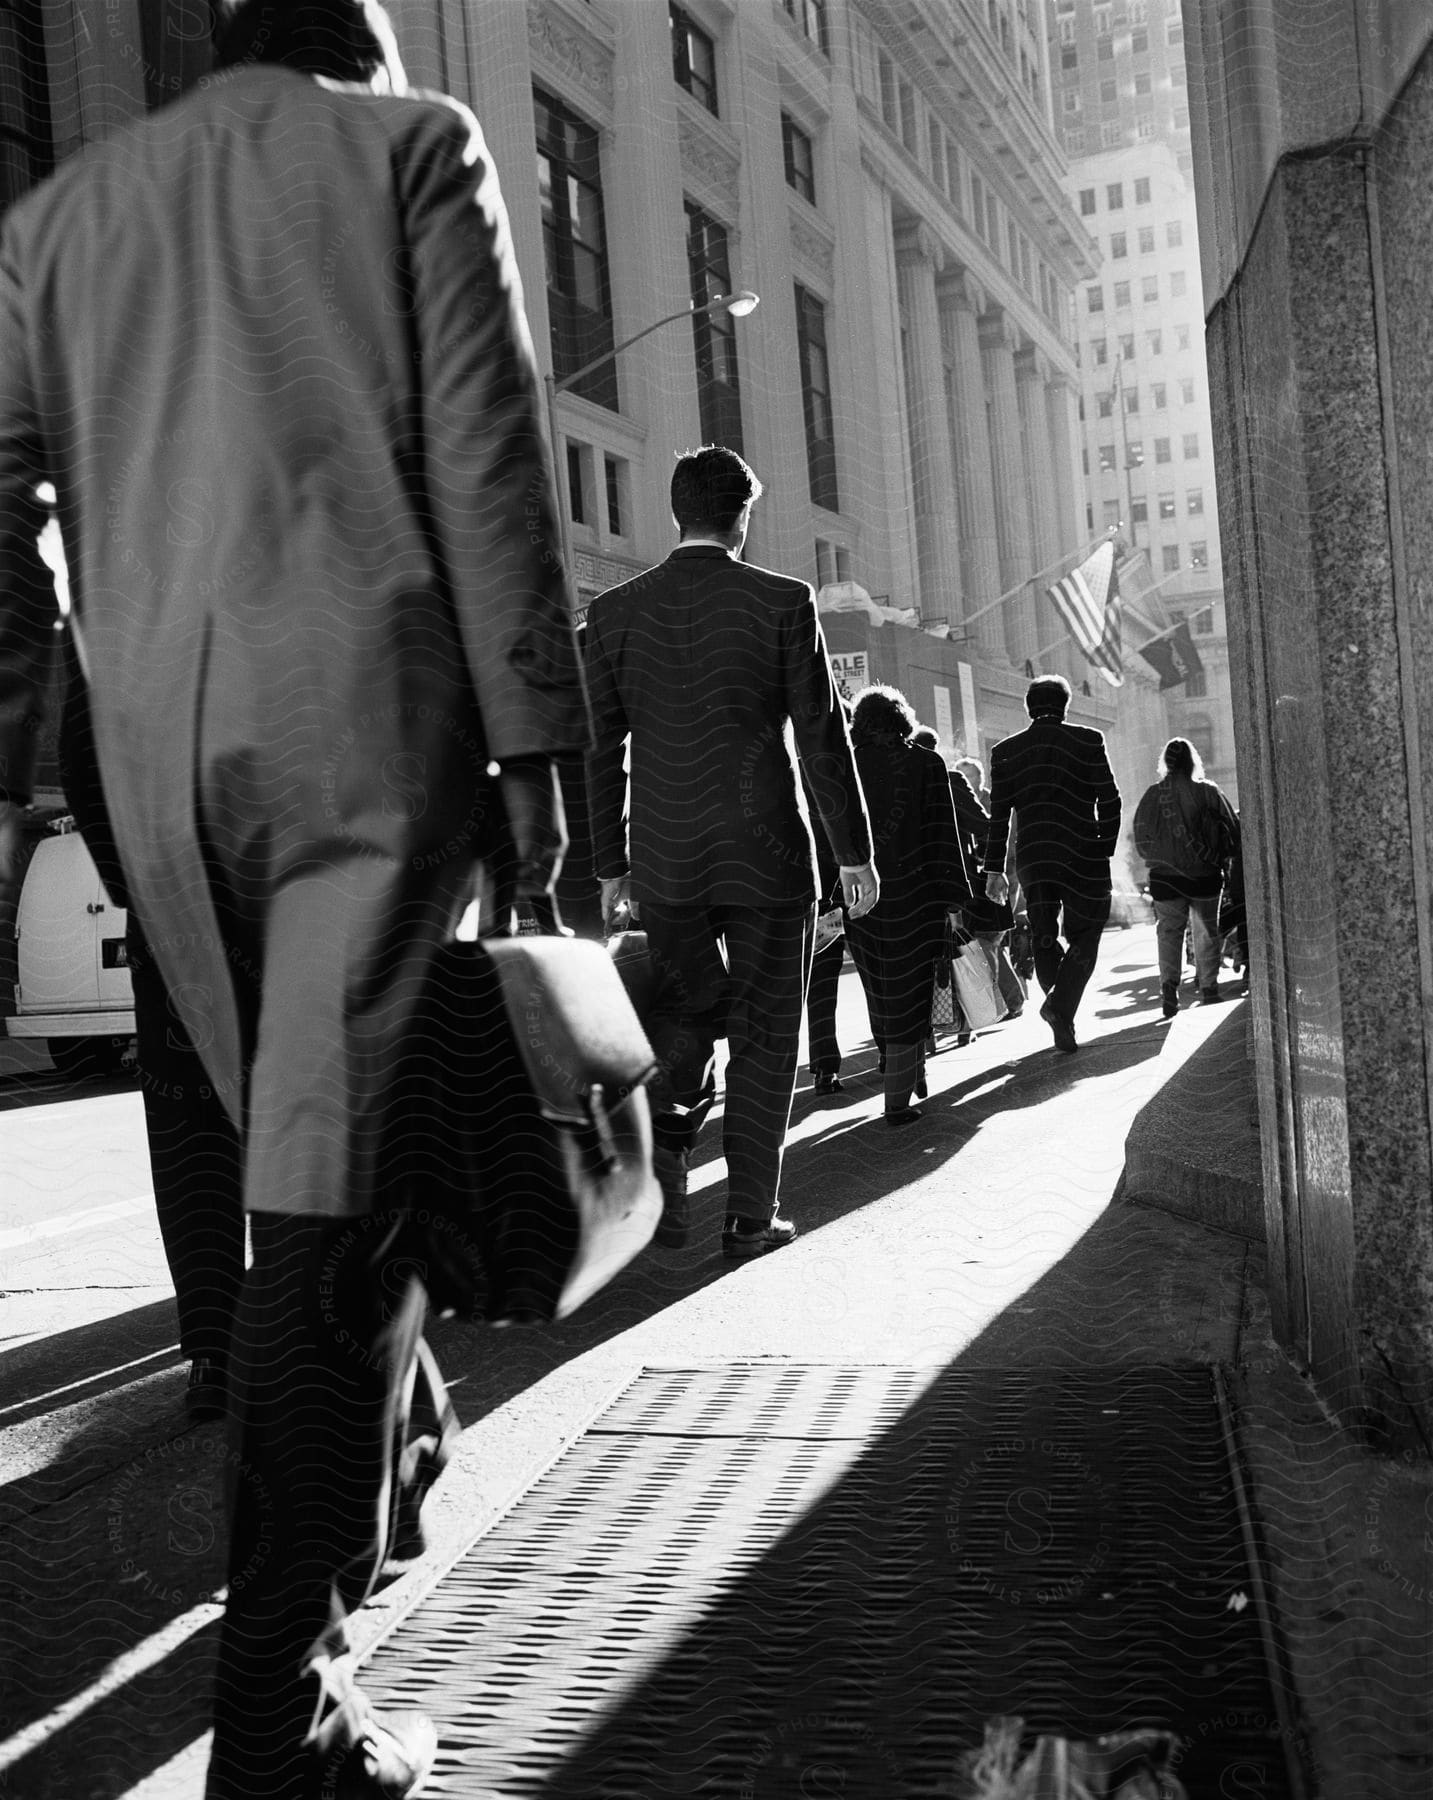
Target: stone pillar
1067, 498
961, 302
932, 476
998, 341
1314, 175
1030, 372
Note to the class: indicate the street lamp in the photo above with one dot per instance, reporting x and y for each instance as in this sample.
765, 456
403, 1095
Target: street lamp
738, 305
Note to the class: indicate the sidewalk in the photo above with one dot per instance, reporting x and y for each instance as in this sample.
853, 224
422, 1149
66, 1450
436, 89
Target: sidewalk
997, 1226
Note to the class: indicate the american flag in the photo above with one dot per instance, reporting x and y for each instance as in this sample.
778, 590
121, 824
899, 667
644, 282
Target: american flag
1088, 599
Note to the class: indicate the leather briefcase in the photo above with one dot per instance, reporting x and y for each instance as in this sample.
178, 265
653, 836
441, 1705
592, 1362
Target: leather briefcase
557, 1128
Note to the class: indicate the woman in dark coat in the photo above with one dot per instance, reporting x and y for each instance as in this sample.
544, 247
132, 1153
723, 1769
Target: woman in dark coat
917, 853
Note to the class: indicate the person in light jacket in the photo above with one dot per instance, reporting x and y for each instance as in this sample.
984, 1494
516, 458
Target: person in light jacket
1186, 831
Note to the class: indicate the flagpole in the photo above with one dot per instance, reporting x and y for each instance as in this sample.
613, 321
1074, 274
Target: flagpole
1130, 607
1105, 537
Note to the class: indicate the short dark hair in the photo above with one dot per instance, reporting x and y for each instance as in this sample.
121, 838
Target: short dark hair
1047, 695
710, 486
335, 38
881, 712
926, 736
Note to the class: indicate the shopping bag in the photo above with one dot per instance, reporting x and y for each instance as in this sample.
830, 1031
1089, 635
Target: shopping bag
977, 984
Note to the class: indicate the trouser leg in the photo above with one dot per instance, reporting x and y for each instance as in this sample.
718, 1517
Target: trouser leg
684, 1018
1043, 910
1085, 916
194, 1163
321, 1379
1204, 928
769, 954
1169, 920
823, 990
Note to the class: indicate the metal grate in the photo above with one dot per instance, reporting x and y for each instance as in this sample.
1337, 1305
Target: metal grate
767, 1581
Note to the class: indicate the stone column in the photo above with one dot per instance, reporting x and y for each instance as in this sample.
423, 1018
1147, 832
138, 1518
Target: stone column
998, 341
961, 302
932, 478
1031, 370
1063, 424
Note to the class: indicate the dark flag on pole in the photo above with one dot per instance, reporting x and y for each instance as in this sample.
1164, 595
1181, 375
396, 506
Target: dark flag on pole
1173, 656
1088, 599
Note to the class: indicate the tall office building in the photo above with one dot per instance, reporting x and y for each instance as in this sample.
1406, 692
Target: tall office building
1117, 68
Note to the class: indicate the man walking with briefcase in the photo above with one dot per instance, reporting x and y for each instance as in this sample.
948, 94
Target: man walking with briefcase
713, 670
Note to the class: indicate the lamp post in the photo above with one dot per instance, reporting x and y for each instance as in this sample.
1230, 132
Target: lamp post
738, 305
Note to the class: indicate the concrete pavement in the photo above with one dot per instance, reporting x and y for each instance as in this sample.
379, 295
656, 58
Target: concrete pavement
995, 1231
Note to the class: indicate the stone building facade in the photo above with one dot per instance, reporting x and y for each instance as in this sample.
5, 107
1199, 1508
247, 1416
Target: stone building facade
1313, 144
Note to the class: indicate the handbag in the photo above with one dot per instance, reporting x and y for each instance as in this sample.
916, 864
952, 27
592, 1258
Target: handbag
552, 1065
985, 916
977, 984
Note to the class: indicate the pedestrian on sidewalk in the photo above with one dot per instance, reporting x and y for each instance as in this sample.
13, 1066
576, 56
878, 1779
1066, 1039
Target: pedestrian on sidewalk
896, 946
1187, 832
823, 1047
268, 346
709, 669
1054, 780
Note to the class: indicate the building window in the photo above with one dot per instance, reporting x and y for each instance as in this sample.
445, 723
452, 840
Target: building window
1159, 395
1191, 445
616, 483
1146, 239
1144, 128
1095, 299
1121, 294
1181, 337
977, 205
1139, 511
1075, 143
1087, 202
1142, 84
1107, 457
937, 154
1118, 244
1199, 556
714, 334
909, 133
1111, 513
693, 59
1196, 686
1100, 351
1153, 339
1166, 501
816, 398
1104, 51
1150, 289
1177, 76
1181, 118
1176, 284
886, 70
1139, 43
1132, 400
1138, 12
1071, 100
1162, 451
1115, 195
1109, 93
1069, 59
1204, 620
1012, 238
1141, 190
1105, 405
1194, 501
797, 154
579, 483
574, 235
1111, 134
1067, 31
1134, 454
1127, 348
1170, 555
810, 18
1174, 32
1174, 234
1186, 392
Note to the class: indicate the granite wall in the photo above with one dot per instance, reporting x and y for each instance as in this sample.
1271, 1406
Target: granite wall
1316, 252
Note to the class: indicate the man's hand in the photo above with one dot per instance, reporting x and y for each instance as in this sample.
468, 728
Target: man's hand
617, 897
12, 820
997, 888
533, 803
860, 888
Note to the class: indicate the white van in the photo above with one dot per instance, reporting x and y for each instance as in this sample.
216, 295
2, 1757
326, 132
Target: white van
73, 989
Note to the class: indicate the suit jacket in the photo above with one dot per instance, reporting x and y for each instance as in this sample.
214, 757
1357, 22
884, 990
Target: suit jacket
917, 845
268, 345
1057, 782
972, 821
717, 673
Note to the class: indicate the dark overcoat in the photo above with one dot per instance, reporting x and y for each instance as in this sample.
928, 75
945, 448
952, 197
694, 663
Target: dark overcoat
716, 672
268, 346
1055, 780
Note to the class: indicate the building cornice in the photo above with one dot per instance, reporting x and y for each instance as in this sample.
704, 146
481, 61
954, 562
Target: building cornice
574, 44
709, 149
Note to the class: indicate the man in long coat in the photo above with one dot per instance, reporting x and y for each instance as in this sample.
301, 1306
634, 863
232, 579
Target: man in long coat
268, 346
1055, 781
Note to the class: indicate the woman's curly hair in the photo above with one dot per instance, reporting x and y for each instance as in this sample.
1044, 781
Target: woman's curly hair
883, 715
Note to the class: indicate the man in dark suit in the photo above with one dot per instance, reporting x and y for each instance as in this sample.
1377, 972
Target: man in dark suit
268, 346
1055, 779
713, 671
